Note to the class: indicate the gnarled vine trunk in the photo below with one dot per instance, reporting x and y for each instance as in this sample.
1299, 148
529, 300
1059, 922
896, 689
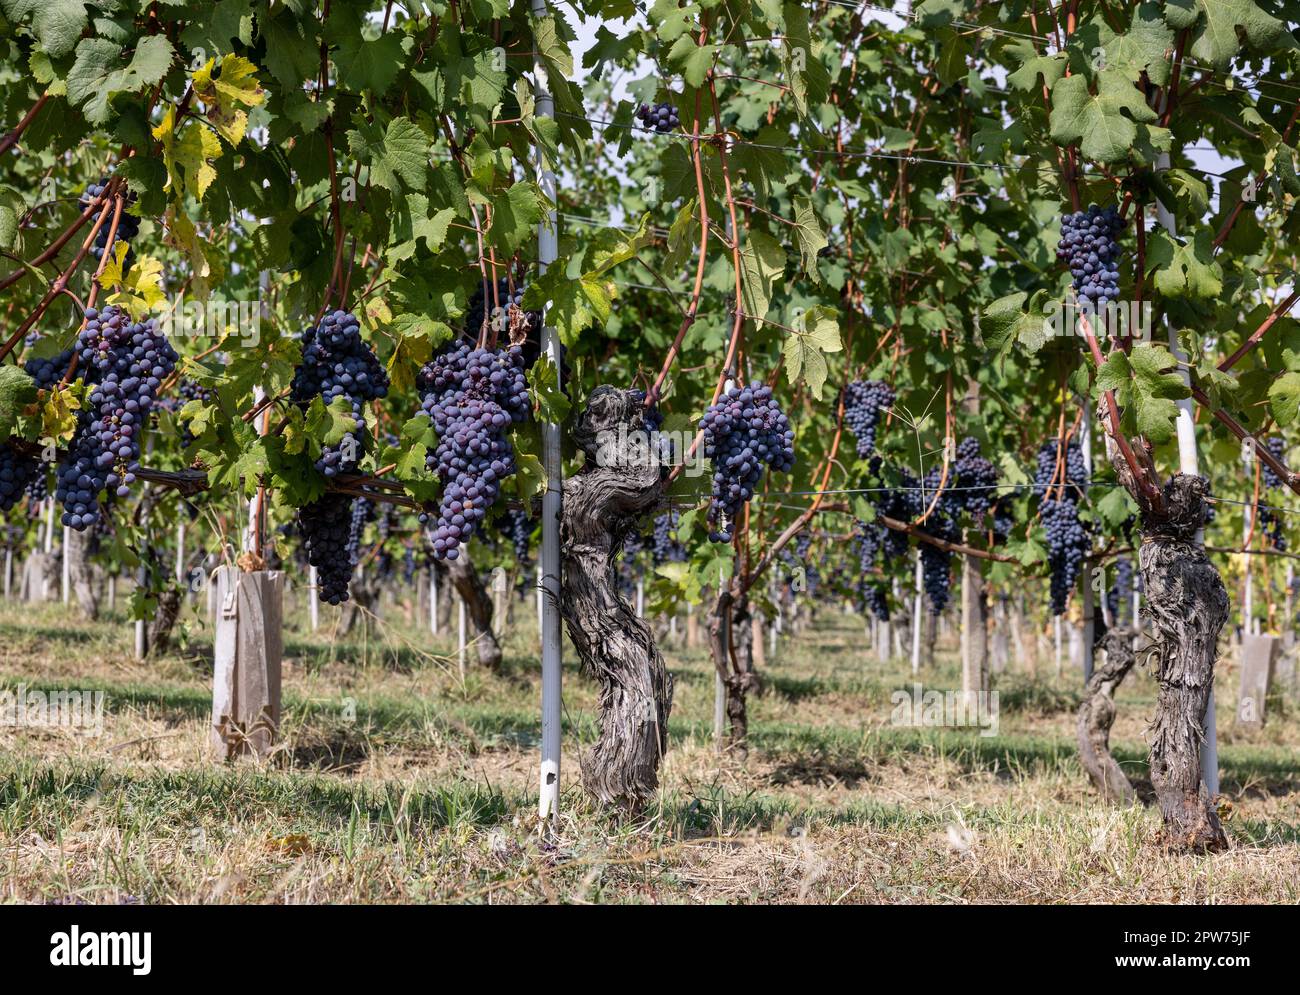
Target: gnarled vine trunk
1186, 606
1097, 715
164, 620
81, 574
732, 649
478, 606
618, 484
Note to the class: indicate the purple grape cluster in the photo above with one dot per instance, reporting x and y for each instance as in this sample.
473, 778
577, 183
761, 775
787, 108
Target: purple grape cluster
502, 310
976, 479
517, 527
1119, 599
18, 472
867, 540
864, 400
337, 363
326, 529
1276, 447
49, 370
744, 432
1089, 246
1075, 481
472, 397
1271, 524
127, 362
662, 118
664, 545
128, 225
1069, 539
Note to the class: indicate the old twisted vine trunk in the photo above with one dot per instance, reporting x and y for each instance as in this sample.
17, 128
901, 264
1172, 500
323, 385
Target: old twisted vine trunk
619, 483
731, 646
478, 606
1186, 607
1097, 715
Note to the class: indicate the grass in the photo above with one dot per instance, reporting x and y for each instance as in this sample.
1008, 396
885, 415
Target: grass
398, 781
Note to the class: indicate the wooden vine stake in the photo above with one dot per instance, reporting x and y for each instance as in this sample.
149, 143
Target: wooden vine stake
248, 641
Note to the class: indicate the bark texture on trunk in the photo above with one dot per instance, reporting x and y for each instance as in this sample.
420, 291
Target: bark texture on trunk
81, 573
1097, 715
1186, 608
732, 649
164, 620
618, 484
478, 607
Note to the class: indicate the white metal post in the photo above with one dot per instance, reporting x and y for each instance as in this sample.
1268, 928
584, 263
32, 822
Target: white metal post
1089, 589
180, 552
313, 603
552, 466
67, 566
916, 616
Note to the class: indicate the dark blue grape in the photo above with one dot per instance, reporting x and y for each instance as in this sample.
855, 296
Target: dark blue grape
743, 433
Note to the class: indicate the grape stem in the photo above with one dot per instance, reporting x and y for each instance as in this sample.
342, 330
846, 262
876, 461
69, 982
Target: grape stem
11, 139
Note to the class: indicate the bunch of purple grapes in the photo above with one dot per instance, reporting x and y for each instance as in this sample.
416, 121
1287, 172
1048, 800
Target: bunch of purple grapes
1276, 447
867, 540
337, 363
503, 310
744, 432
1271, 524
127, 362
326, 527
662, 118
1089, 246
472, 397
1073, 483
517, 527
976, 479
18, 472
863, 402
1119, 598
1069, 538
128, 225
664, 545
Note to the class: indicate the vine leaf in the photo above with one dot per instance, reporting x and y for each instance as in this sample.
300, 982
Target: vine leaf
810, 235
57, 23
17, 391
223, 94
761, 261
409, 458
805, 348
1146, 47
1284, 398
1147, 386
186, 158
544, 386
100, 73
141, 285
1109, 125
1222, 22
1184, 270
397, 156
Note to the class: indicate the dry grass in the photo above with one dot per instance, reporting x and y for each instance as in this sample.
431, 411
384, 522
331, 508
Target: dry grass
427, 794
